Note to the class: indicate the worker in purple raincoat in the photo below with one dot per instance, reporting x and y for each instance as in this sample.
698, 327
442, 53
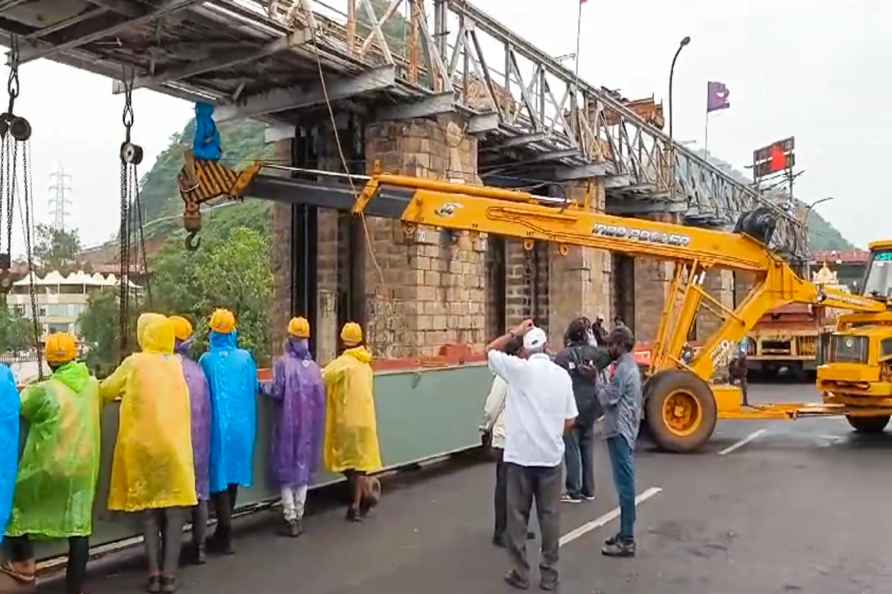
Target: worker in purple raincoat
200, 400
298, 396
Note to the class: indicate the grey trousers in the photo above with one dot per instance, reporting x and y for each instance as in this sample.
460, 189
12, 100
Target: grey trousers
199, 523
526, 483
163, 535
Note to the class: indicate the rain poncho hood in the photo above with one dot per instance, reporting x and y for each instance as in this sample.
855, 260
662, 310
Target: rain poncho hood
232, 378
60, 464
351, 432
9, 443
153, 464
298, 416
200, 399
206, 144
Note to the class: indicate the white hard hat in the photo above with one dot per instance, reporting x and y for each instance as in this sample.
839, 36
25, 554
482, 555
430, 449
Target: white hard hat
535, 339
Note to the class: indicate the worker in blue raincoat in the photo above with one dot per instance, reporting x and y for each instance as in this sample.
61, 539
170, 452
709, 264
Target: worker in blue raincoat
232, 378
9, 443
206, 144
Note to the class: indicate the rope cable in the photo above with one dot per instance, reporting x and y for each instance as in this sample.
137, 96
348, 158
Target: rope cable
337, 138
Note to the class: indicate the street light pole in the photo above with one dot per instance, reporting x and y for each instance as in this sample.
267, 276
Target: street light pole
686, 40
808, 210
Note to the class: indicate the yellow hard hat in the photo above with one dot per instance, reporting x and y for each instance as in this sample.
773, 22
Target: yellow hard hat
182, 328
223, 321
299, 328
351, 334
61, 347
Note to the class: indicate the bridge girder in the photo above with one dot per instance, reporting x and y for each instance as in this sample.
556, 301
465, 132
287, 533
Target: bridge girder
521, 102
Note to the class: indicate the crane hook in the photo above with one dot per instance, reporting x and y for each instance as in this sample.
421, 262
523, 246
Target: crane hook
192, 241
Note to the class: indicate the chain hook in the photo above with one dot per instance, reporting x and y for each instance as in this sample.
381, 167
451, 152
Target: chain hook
131, 153
128, 116
193, 242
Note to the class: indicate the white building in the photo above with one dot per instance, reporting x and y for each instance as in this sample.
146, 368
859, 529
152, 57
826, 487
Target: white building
60, 299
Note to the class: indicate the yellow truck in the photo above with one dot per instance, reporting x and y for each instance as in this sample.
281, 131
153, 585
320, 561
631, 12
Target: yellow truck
856, 374
788, 337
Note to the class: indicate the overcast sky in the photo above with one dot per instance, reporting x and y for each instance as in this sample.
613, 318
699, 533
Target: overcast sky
813, 70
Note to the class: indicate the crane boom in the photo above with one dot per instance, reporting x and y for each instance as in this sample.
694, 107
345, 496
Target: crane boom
530, 218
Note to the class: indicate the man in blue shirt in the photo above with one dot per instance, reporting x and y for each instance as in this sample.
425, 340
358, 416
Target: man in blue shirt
621, 401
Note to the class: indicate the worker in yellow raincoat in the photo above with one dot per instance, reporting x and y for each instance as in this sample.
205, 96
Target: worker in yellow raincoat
153, 470
351, 432
59, 468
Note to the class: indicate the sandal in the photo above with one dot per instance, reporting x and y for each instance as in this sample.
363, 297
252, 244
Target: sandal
9, 569
154, 584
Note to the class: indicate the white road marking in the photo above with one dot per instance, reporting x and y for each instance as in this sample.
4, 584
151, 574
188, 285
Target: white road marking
743, 442
606, 518
832, 437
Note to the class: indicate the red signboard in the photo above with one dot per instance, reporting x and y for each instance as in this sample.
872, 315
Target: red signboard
774, 157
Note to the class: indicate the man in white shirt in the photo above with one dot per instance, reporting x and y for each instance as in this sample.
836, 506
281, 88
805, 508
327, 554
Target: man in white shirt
539, 408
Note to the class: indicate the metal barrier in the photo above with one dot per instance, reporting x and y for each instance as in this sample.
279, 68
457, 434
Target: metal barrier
421, 414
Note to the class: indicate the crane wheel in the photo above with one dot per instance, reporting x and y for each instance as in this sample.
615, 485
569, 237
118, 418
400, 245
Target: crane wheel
680, 410
868, 424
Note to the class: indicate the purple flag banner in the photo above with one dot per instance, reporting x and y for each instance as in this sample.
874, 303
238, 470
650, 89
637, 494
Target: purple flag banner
716, 96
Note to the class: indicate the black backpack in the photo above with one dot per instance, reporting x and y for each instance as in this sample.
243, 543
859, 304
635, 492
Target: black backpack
583, 388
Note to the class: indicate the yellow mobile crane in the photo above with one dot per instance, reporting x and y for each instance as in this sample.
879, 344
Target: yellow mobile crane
682, 406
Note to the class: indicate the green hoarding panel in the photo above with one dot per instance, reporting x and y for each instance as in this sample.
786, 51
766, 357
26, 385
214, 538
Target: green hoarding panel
421, 414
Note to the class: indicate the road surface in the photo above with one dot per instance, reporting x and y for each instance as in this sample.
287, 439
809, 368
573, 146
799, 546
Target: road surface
765, 508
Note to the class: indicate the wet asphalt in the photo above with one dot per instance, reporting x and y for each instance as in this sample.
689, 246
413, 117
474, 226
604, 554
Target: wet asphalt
802, 507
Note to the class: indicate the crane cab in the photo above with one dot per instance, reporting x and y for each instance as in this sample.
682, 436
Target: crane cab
857, 358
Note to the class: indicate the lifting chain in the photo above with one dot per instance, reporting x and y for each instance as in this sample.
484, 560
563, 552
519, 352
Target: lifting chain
131, 215
28, 224
13, 131
17, 126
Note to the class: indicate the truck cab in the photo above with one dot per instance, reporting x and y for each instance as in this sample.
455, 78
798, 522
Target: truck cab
857, 368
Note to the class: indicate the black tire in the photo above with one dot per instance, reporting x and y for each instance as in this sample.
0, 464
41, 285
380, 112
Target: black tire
798, 371
868, 424
770, 370
669, 383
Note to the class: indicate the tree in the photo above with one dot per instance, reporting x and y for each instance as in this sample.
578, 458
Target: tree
99, 331
16, 331
56, 249
231, 270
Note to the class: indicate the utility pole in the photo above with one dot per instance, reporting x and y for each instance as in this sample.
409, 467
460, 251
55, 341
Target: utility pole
59, 201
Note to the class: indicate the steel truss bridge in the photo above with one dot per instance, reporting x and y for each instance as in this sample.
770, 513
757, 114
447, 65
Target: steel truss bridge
395, 59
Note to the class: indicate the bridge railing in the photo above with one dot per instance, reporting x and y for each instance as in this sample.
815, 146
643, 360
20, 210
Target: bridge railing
529, 99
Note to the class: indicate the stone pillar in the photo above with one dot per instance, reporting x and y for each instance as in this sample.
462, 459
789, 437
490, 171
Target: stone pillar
429, 291
325, 334
743, 284
280, 252
526, 283
579, 283
652, 279
719, 284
